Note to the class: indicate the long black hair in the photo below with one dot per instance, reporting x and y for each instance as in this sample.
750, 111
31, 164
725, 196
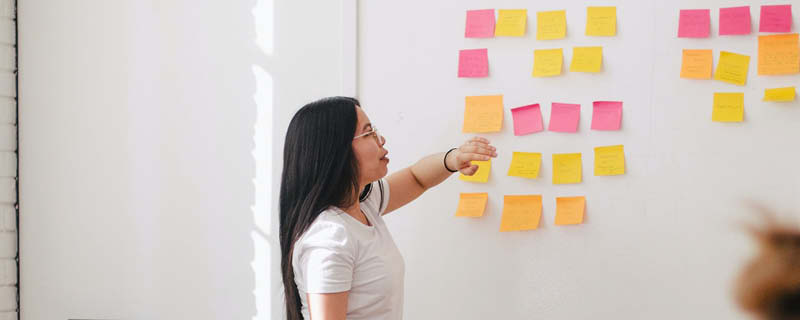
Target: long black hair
319, 170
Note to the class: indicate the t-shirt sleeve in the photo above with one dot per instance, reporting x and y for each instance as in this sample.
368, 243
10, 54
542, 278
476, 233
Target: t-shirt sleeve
327, 259
374, 199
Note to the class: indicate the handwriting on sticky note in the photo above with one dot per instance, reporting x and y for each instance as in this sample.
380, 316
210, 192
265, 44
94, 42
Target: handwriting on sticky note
570, 210
511, 23
547, 62
521, 212
776, 18
732, 68
472, 204
586, 59
480, 24
480, 176
609, 161
606, 115
779, 94
525, 165
601, 21
551, 25
473, 63
567, 168
697, 64
564, 117
728, 107
527, 119
778, 54
734, 21
483, 114
694, 23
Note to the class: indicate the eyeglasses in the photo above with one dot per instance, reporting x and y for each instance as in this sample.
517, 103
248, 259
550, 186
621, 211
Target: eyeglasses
375, 134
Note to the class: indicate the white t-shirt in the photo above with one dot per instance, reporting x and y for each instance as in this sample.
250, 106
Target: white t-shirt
339, 253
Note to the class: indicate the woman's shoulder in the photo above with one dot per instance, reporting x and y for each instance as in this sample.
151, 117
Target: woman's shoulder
328, 229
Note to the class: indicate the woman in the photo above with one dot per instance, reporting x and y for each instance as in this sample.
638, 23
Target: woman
337, 257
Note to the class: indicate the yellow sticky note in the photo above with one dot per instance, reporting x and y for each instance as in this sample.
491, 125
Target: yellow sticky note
779, 94
601, 21
482, 175
547, 62
732, 68
511, 23
472, 204
728, 107
569, 210
483, 114
551, 25
609, 161
521, 213
778, 54
525, 164
586, 59
697, 64
567, 168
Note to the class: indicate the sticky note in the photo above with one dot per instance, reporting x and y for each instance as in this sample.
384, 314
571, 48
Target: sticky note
732, 68
728, 107
521, 212
776, 18
586, 59
480, 176
734, 21
551, 25
778, 54
694, 23
483, 114
779, 94
472, 204
525, 165
480, 24
697, 64
601, 21
567, 168
547, 62
570, 210
527, 119
564, 117
609, 161
473, 63
606, 115
511, 23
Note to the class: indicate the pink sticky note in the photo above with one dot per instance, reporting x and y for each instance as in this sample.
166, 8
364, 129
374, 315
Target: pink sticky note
473, 63
607, 115
776, 18
480, 24
694, 23
564, 117
527, 119
734, 21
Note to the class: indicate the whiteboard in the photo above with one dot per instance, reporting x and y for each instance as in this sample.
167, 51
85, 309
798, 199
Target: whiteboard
662, 241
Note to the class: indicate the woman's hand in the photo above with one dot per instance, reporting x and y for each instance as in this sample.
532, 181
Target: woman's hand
476, 148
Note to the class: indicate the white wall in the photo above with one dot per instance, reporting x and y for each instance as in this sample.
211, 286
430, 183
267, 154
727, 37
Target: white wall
662, 241
151, 136
8, 163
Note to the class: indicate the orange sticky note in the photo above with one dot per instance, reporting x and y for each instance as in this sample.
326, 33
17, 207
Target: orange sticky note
569, 210
472, 204
697, 64
483, 114
778, 54
521, 213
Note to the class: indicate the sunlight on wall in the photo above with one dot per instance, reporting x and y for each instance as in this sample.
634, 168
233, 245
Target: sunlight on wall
262, 153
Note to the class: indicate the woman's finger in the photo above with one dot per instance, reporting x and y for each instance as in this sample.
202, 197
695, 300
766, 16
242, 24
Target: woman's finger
480, 139
487, 150
467, 157
471, 170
